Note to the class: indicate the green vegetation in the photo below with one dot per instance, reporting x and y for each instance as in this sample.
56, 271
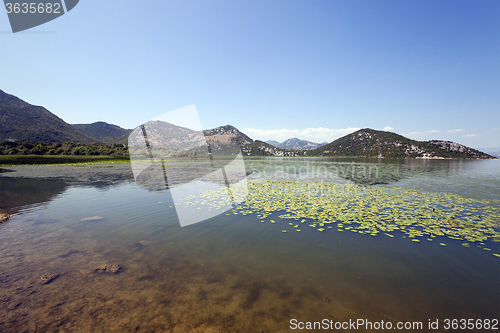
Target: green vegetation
12, 160
18, 153
371, 211
67, 148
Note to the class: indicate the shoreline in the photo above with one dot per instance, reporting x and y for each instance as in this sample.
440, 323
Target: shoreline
4, 217
20, 160
77, 173
58, 160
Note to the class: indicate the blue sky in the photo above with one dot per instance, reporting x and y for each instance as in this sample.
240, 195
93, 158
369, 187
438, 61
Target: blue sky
311, 69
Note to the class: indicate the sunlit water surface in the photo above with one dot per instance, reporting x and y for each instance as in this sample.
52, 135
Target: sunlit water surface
230, 273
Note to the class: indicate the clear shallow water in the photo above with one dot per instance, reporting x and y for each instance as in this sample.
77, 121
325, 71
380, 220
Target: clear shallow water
231, 273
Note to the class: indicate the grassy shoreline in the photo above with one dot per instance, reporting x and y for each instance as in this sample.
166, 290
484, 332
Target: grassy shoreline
18, 160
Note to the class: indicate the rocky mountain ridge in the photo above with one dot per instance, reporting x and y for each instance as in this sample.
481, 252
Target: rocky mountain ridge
296, 144
367, 142
21, 121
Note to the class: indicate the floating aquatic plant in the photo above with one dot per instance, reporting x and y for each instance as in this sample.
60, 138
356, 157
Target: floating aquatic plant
365, 210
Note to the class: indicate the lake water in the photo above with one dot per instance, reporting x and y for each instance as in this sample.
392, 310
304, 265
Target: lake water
233, 273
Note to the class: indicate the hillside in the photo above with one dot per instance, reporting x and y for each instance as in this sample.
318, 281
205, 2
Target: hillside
21, 121
165, 137
226, 136
372, 143
225, 140
260, 148
104, 132
296, 144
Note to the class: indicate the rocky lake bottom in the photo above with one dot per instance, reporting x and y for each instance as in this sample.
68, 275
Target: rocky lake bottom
87, 250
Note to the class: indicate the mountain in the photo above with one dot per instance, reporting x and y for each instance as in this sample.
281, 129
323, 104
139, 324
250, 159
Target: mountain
220, 137
165, 139
274, 143
372, 143
104, 132
161, 134
225, 140
260, 148
21, 121
296, 144
491, 151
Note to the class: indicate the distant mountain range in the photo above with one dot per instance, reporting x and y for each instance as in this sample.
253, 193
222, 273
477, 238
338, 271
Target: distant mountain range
491, 151
296, 144
104, 132
21, 121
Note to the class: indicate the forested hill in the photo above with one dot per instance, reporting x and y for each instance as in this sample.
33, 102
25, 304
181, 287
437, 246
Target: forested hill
372, 143
104, 132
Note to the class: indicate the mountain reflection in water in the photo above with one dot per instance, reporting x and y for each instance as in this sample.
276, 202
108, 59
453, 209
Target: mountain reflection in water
231, 273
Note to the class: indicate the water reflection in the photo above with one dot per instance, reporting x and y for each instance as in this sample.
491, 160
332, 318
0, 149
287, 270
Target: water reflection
22, 195
25, 188
230, 273
372, 171
473, 178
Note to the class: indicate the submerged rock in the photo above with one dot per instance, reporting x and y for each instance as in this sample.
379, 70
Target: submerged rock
142, 243
112, 269
4, 217
48, 278
92, 218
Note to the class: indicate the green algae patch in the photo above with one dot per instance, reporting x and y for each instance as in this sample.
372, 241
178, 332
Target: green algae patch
367, 210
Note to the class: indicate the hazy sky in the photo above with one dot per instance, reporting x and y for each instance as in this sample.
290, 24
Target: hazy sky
274, 69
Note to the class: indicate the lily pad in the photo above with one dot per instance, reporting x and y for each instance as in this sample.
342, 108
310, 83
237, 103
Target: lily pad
366, 210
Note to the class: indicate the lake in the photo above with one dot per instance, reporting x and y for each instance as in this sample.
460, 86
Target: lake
249, 269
